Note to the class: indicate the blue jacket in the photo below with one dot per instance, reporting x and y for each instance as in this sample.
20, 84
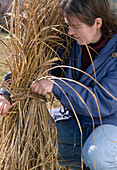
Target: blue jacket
106, 74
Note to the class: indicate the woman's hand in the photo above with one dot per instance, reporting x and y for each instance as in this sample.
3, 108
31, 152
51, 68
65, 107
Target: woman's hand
42, 87
4, 105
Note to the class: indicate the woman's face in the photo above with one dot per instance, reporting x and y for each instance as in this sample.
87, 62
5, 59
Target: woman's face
83, 33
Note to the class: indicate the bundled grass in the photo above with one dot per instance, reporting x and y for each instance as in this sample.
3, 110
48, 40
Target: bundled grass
28, 137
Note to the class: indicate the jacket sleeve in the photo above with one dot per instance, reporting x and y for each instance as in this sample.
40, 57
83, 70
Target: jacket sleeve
107, 104
6, 78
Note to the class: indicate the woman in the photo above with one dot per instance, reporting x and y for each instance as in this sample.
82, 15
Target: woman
92, 23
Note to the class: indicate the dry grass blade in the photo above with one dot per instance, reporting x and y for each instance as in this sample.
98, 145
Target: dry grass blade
29, 139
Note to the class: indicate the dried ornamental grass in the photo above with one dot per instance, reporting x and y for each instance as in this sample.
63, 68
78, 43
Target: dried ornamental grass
29, 138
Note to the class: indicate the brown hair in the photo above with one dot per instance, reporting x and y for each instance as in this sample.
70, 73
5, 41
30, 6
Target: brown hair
88, 10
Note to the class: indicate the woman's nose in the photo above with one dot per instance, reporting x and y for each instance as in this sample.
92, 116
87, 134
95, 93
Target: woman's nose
70, 31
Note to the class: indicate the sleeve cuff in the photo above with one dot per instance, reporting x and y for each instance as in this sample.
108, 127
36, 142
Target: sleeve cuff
2, 91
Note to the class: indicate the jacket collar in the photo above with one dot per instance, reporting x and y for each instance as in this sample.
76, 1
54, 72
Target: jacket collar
101, 58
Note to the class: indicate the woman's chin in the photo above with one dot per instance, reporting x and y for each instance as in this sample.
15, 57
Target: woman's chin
80, 43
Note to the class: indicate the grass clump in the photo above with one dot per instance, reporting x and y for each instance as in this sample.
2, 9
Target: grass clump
28, 136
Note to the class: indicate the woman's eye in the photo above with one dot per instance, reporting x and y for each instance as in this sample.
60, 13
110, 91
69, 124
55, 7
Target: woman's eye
77, 27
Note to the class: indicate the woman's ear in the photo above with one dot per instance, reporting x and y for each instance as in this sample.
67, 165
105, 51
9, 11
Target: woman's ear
98, 23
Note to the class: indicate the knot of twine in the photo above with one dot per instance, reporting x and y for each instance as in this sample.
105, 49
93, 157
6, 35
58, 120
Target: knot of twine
23, 96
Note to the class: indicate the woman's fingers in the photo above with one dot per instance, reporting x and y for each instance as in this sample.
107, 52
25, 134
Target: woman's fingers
35, 87
4, 105
1, 107
5, 109
42, 87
